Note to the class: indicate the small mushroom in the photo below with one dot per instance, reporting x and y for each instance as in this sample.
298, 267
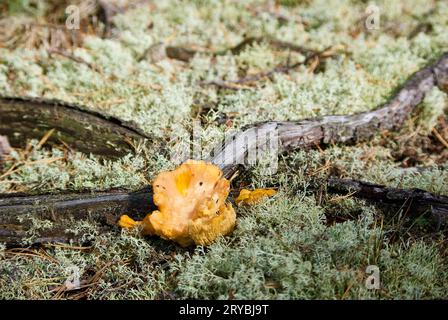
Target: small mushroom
192, 205
252, 197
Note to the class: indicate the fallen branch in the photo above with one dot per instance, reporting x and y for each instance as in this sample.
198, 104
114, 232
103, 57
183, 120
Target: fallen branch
413, 202
237, 84
104, 208
186, 54
78, 127
336, 128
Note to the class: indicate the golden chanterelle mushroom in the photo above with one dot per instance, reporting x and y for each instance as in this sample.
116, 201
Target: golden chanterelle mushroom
192, 205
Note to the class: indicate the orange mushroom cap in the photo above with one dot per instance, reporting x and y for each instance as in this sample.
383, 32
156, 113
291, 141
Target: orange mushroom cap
192, 205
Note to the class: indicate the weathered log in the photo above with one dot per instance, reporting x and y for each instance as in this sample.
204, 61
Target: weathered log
64, 209
413, 202
83, 129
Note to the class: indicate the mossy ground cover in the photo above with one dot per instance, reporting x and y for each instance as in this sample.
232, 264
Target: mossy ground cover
288, 246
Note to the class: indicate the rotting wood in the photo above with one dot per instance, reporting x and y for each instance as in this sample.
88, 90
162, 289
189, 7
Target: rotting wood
100, 207
78, 127
413, 202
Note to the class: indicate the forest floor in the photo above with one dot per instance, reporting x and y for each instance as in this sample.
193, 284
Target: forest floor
290, 246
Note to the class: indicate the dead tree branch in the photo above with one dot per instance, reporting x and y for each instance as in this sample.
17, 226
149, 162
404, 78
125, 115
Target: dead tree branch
186, 54
104, 208
237, 84
100, 207
413, 201
335, 128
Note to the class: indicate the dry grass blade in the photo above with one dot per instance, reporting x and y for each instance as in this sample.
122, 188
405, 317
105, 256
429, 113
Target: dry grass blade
44, 139
439, 137
339, 198
31, 253
31, 163
86, 285
70, 56
67, 247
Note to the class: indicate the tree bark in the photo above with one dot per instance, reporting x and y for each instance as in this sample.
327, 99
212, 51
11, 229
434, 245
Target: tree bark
414, 202
62, 210
80, 128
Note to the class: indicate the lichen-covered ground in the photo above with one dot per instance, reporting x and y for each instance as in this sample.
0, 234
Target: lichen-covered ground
288, 246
